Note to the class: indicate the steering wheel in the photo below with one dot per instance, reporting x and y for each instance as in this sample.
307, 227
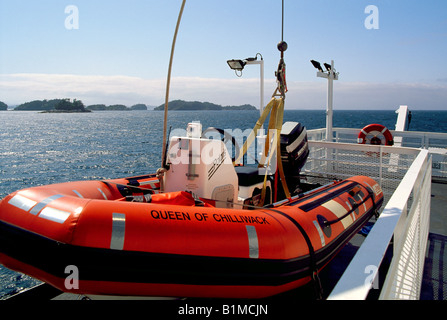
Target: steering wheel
225, 137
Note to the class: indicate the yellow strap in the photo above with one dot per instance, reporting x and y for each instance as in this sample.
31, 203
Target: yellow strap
269, 150
271, 127
276, 106
279, 121
275, 124
254, 132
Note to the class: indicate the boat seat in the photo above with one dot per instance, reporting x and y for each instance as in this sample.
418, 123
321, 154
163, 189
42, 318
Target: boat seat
248, 176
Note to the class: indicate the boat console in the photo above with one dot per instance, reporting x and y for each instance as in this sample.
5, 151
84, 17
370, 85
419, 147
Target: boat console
201, 166
204, 167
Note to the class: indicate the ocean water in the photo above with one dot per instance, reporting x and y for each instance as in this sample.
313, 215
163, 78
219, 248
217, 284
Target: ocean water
44, 148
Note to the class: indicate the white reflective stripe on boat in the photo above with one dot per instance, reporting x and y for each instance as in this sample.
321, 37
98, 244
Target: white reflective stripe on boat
22, 202
360, 199
103, 194
78, 194
55, 215
350, 209
320, 232
152, 183
376, 189
118, 228
339, 211
253, 242
36, 209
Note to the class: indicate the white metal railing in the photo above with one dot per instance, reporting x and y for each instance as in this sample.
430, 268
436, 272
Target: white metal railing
405, 219
414, 139
410, 242
435, 142
387, 165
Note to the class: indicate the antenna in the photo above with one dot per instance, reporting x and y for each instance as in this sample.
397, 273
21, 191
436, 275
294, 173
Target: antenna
282, 24
168, 82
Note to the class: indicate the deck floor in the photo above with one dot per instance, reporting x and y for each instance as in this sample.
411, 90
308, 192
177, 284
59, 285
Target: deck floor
434, 283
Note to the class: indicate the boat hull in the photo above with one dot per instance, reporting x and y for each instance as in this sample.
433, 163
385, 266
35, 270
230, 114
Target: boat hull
83, 237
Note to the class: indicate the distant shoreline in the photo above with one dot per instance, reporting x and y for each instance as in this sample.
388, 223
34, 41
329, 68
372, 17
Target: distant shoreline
66, 106
181, 105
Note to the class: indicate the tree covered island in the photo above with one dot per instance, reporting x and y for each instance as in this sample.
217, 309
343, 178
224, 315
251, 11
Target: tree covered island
3, 106
54, 105
66, 105
114, 107
196, 105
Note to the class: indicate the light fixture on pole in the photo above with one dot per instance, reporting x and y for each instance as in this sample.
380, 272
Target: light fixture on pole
238, 65
330, 75
316, 65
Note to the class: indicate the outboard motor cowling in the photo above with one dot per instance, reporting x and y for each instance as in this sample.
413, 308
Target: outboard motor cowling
294, 147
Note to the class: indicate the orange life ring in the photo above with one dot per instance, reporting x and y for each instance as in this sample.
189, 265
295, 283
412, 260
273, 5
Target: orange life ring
375, 134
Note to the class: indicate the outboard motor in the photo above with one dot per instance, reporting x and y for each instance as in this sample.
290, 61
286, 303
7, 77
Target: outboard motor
294, 148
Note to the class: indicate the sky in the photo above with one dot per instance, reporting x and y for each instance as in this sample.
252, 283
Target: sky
117, 51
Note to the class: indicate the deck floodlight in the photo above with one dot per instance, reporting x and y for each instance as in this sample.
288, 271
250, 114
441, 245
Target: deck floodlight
317, 65
330, 75
236, 64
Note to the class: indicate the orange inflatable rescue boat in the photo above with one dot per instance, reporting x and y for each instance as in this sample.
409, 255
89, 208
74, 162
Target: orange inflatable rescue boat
205, 235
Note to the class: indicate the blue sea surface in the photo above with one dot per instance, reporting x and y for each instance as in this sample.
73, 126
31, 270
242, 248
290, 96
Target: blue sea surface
45, 148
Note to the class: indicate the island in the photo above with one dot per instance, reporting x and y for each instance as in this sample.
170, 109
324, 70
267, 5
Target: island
103, 107
54, 105
181, 105
66, 105
139, 106
3, 106
115, 107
